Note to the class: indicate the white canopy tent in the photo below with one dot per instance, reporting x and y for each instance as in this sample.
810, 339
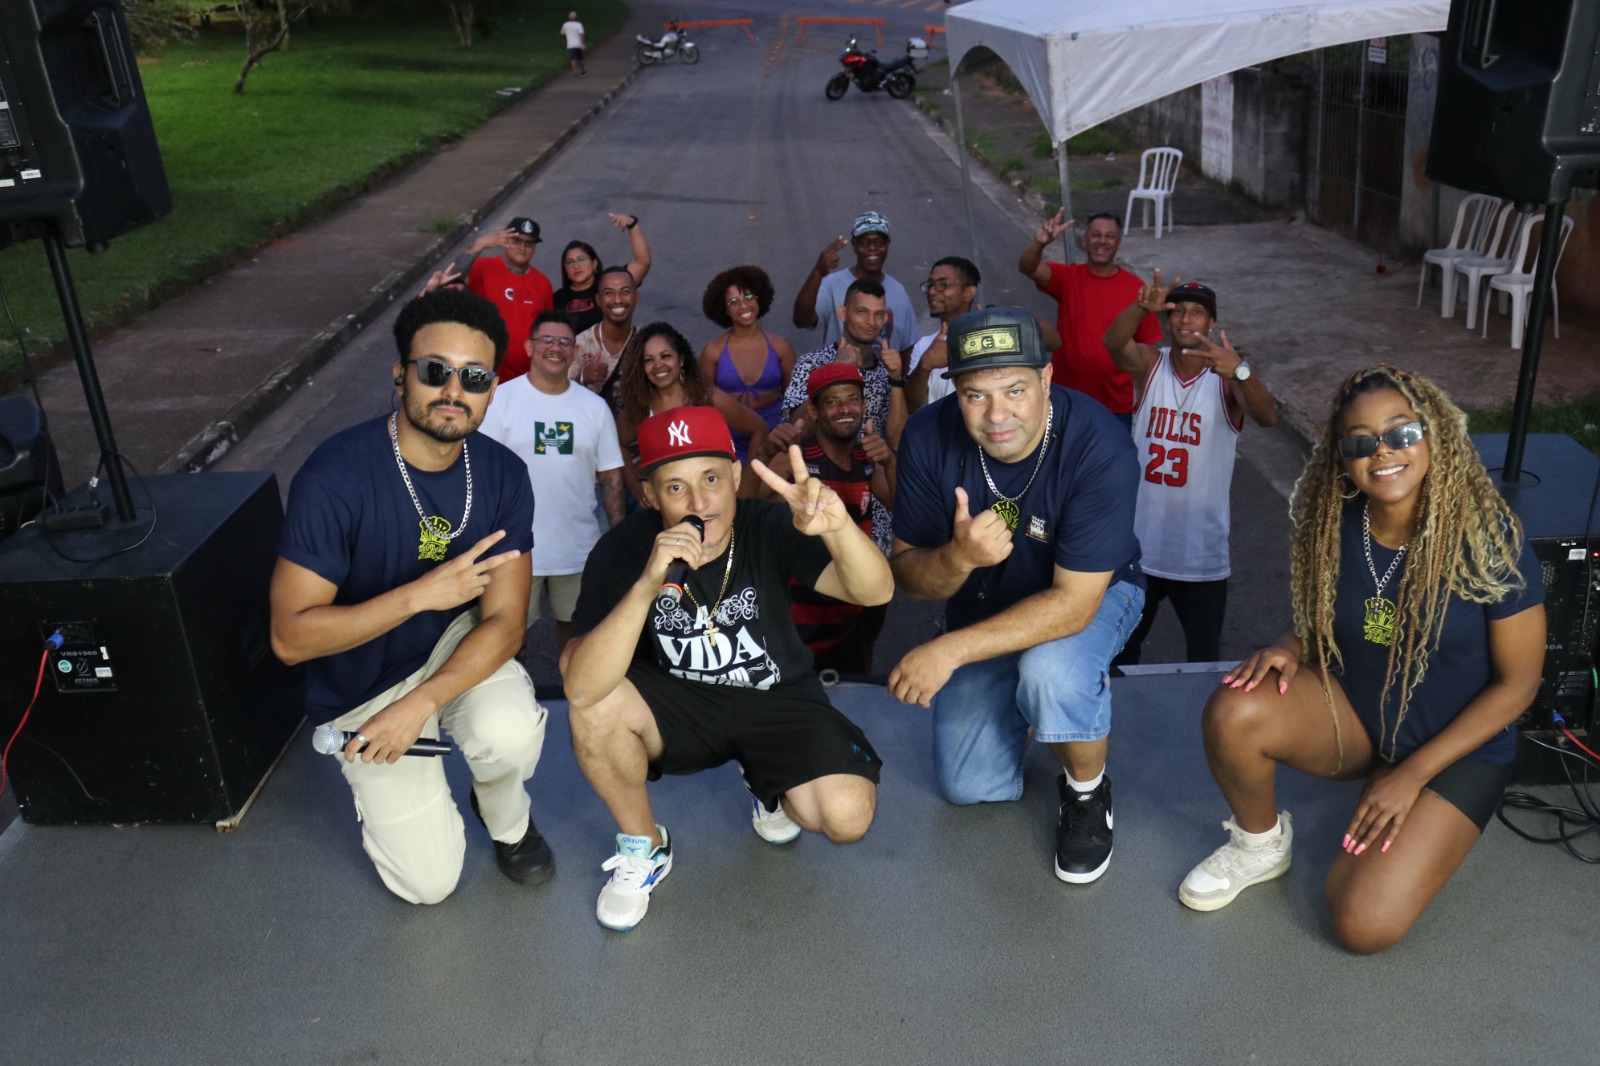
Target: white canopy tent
1085, 61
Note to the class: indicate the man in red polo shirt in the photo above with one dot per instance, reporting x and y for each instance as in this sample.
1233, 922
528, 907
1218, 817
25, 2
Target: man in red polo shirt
510, 282
1089, 296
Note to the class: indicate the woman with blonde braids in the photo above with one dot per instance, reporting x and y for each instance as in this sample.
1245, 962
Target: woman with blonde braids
1418, 641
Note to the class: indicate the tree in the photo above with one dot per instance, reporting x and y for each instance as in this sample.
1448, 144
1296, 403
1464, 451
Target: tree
266, 28
461, 17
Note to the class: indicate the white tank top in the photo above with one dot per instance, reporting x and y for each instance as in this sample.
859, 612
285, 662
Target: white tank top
1186, 447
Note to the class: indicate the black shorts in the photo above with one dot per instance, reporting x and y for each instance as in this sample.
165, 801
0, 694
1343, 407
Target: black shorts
781, 741
575, 54
1474, 788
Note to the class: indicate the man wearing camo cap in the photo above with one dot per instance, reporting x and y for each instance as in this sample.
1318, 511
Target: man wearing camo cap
823, 292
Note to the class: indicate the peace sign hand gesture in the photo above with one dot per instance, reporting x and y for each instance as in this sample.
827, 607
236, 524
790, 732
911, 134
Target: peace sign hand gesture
1220, 357
1053, 227
1153, 297
817, 508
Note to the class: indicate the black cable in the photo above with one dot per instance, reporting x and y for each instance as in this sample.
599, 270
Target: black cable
1572, 823
149, 499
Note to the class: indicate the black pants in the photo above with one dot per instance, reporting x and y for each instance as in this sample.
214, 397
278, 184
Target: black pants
1200, 606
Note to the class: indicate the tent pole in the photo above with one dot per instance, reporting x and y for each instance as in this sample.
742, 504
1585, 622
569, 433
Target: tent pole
1066, 198
966, 178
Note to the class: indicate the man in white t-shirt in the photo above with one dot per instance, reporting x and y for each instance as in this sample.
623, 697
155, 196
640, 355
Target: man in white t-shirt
822, 294
572, 30
568, 440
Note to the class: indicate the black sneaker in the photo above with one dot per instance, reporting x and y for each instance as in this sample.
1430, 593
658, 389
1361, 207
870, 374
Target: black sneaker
1083, 835
528, 861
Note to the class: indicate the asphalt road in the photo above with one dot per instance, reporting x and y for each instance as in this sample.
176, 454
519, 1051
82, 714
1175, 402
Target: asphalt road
741, 159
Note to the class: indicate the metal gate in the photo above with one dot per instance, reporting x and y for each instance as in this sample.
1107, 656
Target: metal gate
1360, 141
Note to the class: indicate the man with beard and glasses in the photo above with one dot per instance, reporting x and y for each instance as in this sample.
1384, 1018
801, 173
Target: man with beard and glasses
402, 581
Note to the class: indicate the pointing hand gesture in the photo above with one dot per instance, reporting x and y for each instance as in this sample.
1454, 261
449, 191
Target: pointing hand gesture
828, 261
817, 508
981, 541
1153, 297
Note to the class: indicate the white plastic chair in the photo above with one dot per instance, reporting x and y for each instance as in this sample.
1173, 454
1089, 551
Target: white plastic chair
1518, 284
1496, 260
1474, 221
1158, 178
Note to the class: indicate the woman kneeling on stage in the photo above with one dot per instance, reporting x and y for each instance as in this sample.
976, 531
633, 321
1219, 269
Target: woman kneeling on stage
1419, 634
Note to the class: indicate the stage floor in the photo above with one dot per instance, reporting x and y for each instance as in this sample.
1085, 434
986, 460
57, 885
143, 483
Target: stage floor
944, 937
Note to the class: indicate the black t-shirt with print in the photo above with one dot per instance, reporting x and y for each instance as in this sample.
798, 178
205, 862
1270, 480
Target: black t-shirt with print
755, 645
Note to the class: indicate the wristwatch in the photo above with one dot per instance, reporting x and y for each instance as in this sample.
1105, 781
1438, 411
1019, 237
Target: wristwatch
1242, 371
896, 383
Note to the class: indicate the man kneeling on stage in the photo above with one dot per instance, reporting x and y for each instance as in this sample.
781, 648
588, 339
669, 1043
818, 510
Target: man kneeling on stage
662, 685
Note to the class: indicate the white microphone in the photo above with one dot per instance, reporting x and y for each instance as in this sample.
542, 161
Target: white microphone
330, 741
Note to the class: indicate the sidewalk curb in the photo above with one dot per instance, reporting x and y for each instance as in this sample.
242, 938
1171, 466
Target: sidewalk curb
212, 443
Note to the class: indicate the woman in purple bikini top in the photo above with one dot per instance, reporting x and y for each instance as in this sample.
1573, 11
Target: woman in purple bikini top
745, 361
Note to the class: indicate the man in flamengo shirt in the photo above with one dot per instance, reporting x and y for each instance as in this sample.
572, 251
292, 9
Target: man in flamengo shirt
402, 580
662, 684
513, 284
1193, 397
1016, 498
840, 635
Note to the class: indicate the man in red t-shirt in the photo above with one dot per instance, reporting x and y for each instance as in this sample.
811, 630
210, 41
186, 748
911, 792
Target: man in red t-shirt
511, 283
1089, 296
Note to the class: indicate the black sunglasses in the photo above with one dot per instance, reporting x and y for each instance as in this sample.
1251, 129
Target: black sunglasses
435, 373
1398, 438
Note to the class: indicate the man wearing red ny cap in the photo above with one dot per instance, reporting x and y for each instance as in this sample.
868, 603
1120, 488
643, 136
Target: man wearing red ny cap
856, 462
675, 672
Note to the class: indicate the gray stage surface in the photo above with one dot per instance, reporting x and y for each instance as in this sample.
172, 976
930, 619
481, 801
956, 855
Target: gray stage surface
942, 938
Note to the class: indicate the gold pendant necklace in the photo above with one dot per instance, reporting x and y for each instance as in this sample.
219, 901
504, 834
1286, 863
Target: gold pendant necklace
712, 629
1377, 625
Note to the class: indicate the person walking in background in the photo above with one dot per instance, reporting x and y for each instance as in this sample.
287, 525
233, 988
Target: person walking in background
578, 297
745, 361
572, 30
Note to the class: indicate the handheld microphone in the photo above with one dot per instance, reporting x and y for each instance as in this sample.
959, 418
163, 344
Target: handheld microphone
330, 741
678, 572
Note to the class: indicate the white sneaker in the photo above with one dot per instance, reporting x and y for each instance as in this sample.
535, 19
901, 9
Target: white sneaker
774, 826
1236, 866
635, 872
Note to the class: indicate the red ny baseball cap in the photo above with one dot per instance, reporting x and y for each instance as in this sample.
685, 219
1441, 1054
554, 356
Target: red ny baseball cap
681, 433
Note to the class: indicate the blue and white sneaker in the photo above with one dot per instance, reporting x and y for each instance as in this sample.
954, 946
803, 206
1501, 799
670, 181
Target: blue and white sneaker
774, 826
635, 872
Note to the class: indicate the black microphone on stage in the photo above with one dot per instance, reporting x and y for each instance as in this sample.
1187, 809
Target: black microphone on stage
678, 572
330, 741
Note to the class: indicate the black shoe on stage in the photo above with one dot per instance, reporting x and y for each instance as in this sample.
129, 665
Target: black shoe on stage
1083, 834
528, 861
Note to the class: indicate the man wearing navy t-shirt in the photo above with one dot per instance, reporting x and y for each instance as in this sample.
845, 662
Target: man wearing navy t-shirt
1014, 500
402, 581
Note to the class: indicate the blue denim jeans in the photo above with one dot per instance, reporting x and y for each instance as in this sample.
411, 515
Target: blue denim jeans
1061, 688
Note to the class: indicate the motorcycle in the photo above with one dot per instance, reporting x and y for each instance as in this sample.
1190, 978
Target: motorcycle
674, 41
870, 74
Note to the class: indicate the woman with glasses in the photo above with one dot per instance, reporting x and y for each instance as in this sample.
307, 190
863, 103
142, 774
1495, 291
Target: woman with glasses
1418, 641
744, 360
665, 376
580, 273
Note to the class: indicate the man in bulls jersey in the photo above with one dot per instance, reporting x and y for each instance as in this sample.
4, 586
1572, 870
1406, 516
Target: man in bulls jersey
676, 680
859, 466
1194, 395
511, 282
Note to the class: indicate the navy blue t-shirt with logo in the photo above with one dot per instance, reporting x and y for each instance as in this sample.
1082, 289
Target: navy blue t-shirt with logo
351, 522
1458, 669
1077, 514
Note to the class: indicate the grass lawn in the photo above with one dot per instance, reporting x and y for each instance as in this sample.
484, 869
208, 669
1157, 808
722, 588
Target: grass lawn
353, 96
1578, 419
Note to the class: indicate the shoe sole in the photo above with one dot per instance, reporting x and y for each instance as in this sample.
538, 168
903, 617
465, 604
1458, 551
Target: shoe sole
1216, 903
531, 877
1083, 878
624, 928
779, 842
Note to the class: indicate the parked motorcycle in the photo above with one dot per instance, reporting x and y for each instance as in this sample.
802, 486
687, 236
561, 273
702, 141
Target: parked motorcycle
674, 42
870, 74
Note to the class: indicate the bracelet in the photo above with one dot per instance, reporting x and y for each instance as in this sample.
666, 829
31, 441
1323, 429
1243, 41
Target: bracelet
635, 221
896, 383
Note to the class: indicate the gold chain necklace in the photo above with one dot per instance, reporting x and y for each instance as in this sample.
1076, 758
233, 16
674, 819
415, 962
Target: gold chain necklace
727, 571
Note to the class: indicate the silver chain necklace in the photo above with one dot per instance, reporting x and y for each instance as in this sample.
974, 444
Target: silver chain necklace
1044, 446
394, 439
1366, 544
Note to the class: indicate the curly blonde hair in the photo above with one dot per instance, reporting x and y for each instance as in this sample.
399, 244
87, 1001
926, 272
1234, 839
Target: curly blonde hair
1464, 541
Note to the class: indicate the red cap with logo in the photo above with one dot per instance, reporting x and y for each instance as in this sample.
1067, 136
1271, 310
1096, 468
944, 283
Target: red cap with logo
681, 433
831, 374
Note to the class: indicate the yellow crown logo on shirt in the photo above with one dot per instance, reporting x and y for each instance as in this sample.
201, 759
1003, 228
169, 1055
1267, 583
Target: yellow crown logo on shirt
989, 341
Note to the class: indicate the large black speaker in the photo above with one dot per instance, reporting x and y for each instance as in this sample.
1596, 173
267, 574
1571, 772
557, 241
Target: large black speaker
164, 702
1556, 501
1518, 107
78, 154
